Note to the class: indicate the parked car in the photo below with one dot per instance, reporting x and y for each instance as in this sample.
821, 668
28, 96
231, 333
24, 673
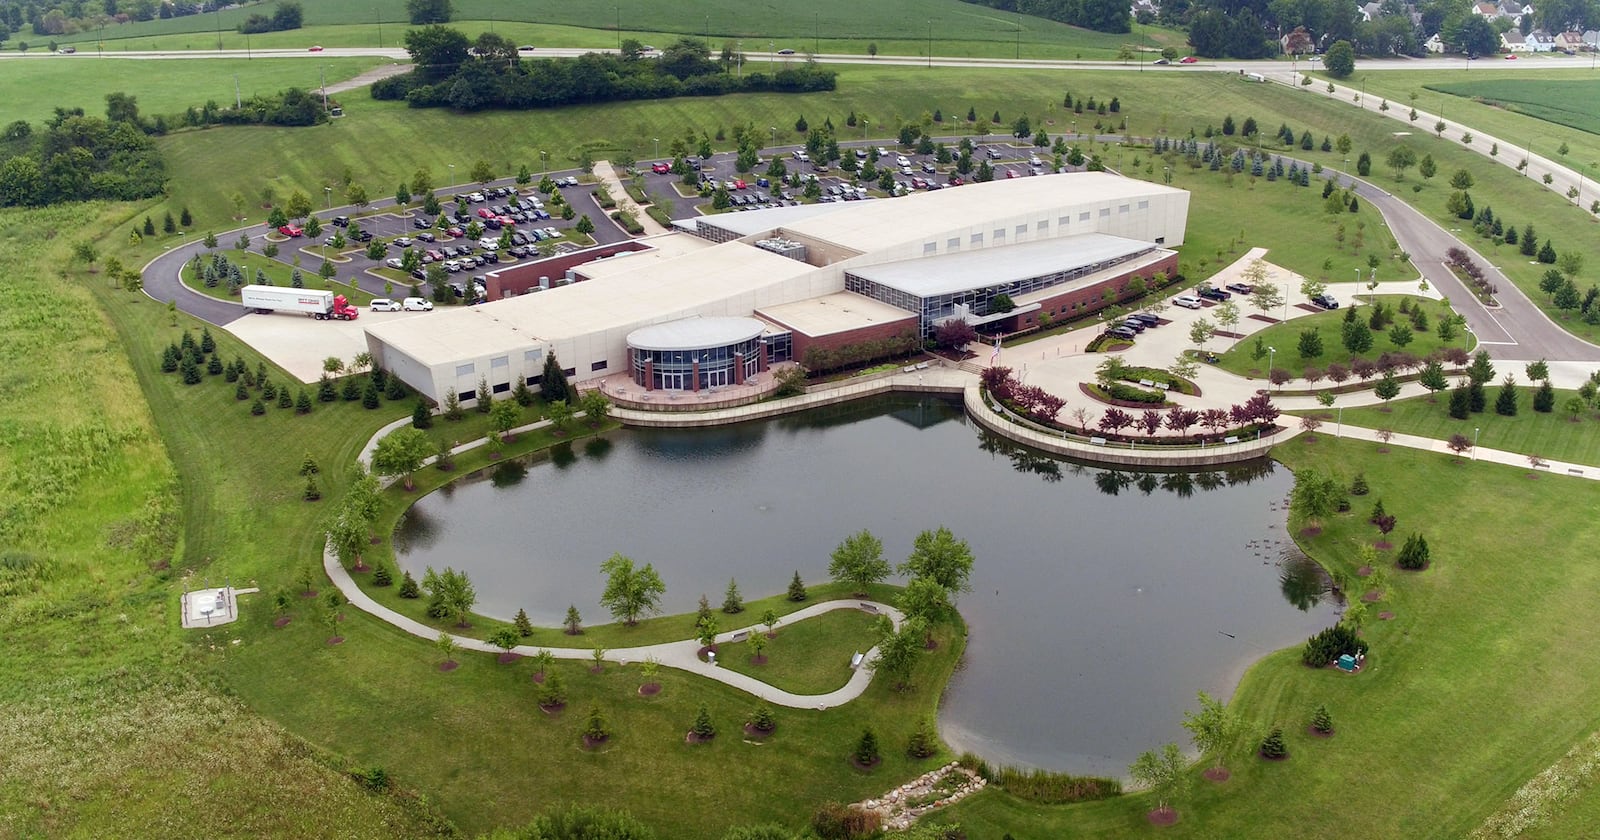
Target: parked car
291, 230
426, 236
1326, 301
660, 168
416, 304
1134, 324
1210, 293
421, 223
994, 154
475, 197
401, 242
1122, 332
1187, 302
454, 232
362, 236
340, 221
1242, 288
1146, 318
392, 262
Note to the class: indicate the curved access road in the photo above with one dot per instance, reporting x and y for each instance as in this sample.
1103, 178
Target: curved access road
682, 655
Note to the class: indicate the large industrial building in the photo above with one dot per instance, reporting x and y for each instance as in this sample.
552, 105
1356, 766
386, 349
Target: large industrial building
724, 296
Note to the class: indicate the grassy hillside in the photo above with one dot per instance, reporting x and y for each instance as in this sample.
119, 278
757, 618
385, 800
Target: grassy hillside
897, 26
35, 88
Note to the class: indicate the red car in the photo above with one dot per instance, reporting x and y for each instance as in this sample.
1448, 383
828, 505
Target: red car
1011, 173
485, 213
1188, 59
660, 168
740, 184
314, 49
507, 221
291, 230
1511, 56
455, 232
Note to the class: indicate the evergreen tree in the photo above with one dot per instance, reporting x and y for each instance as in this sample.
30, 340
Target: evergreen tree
1460, 402
1477, 400
408, 587
553, 382
731, 601
1505, 404
703, 728
421, 417
302, 403
1544, 399
797, 589
396, 389
325, 390
866, 753
1272, 747
381, 576
241, 392
258, 408
284, 400
523, 625
1321, 721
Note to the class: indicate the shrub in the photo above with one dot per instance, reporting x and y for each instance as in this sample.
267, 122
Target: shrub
923, 742
1043, 786
1272, 746
258, 408
761, 719
381, 576
1131, 393
835, 821
1321, 721
1330, 644
1358, 487
408, 587
1414, 554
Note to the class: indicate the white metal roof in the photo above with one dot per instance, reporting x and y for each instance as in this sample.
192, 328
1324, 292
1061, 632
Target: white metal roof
942, 275
834, 313
697, 333
751, 222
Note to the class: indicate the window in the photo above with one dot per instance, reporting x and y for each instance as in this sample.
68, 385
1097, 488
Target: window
501, 387
1144, 204
500, 362
1121, 209
467, 395
1062, 222
534, 380
600, 365
1043, 226
929, 248
570, 371
1161, 240
999, 236
532, 355
976, 241
467, 369
953, 244
1083, 217
1021, 231
1105, 212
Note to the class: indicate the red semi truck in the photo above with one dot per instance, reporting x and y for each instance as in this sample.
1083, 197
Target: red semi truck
322, 306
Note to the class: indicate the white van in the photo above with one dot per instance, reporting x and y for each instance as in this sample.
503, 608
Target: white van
384, 305
416, 304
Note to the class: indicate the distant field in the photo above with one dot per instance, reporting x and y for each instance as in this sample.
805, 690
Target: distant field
34, 88
898, 26
1575, 104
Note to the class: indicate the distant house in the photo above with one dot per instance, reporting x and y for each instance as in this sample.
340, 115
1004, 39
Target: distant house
1370, 11
1513, 41
1487, 11
1298, 42
1540, 41
1569, 41
1591, 39
1434, 44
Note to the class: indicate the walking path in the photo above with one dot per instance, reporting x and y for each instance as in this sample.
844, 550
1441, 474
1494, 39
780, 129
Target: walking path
608, 176
683, 655
1497, 456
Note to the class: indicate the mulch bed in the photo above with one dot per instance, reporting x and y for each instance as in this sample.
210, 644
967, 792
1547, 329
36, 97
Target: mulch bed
508, 657
758, 660
649, 689
750, 731
1089, 392
930, 644
539, 678
598, 669
1227, 334
1284, 757
1309, 308
594, 743
1425, 567
449, 665
701, 653
309, 593
1312, 730
1266, 318
552, 711
1310, 532
1217, 774
859, 766
1364, 571
1383, 545
1372, 597
335, 640
691, 738
283, 621
1162, 816
360, 567
1385, 616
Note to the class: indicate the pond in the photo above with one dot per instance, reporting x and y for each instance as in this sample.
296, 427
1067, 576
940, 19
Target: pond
1102, 600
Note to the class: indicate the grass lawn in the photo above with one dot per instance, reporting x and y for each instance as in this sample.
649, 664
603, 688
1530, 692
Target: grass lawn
1284, 218
1329, 325
808, 657
34, 88
279, 273
1564, 86
1554, 435
1499, 622
896, 26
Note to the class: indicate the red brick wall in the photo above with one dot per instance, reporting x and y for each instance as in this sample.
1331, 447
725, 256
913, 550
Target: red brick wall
877, 332
518, 279
1079, 301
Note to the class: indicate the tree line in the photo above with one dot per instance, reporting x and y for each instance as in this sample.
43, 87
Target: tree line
77, 157
467, 75
1099, 15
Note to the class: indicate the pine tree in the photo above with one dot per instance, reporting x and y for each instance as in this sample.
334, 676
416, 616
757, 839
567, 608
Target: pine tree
573, 621
284, 400
169, 359
523, 625
703, 728
396, 390
1321, 721
302, 403
923, 740
421, 417
1272, 747
408, 587
381, 576
312, 492
866, 753
351, 390
1544, 399
369, 396
731, 601
1505, 404
241, 392
1477, 401
797, 589
214, 365
258, 408
325, 390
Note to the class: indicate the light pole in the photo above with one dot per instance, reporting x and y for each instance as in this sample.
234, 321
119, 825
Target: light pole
738, 57
379, 14
1340, 432
618, 10
1475, 444
930, 43
328, 193
1166, 174
1272, 353
772, 54
864, 136
774, 130
452, 176
544, 159
658, 146
816, 32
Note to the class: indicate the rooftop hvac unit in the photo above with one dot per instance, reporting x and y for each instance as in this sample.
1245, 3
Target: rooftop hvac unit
571, 275
784, 248
544, 282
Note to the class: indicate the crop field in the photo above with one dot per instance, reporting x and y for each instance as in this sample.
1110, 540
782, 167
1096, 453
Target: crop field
34, 88
896, 26
1575, 104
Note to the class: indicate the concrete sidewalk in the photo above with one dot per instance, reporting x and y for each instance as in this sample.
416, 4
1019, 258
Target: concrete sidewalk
1495, 456
613, 182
